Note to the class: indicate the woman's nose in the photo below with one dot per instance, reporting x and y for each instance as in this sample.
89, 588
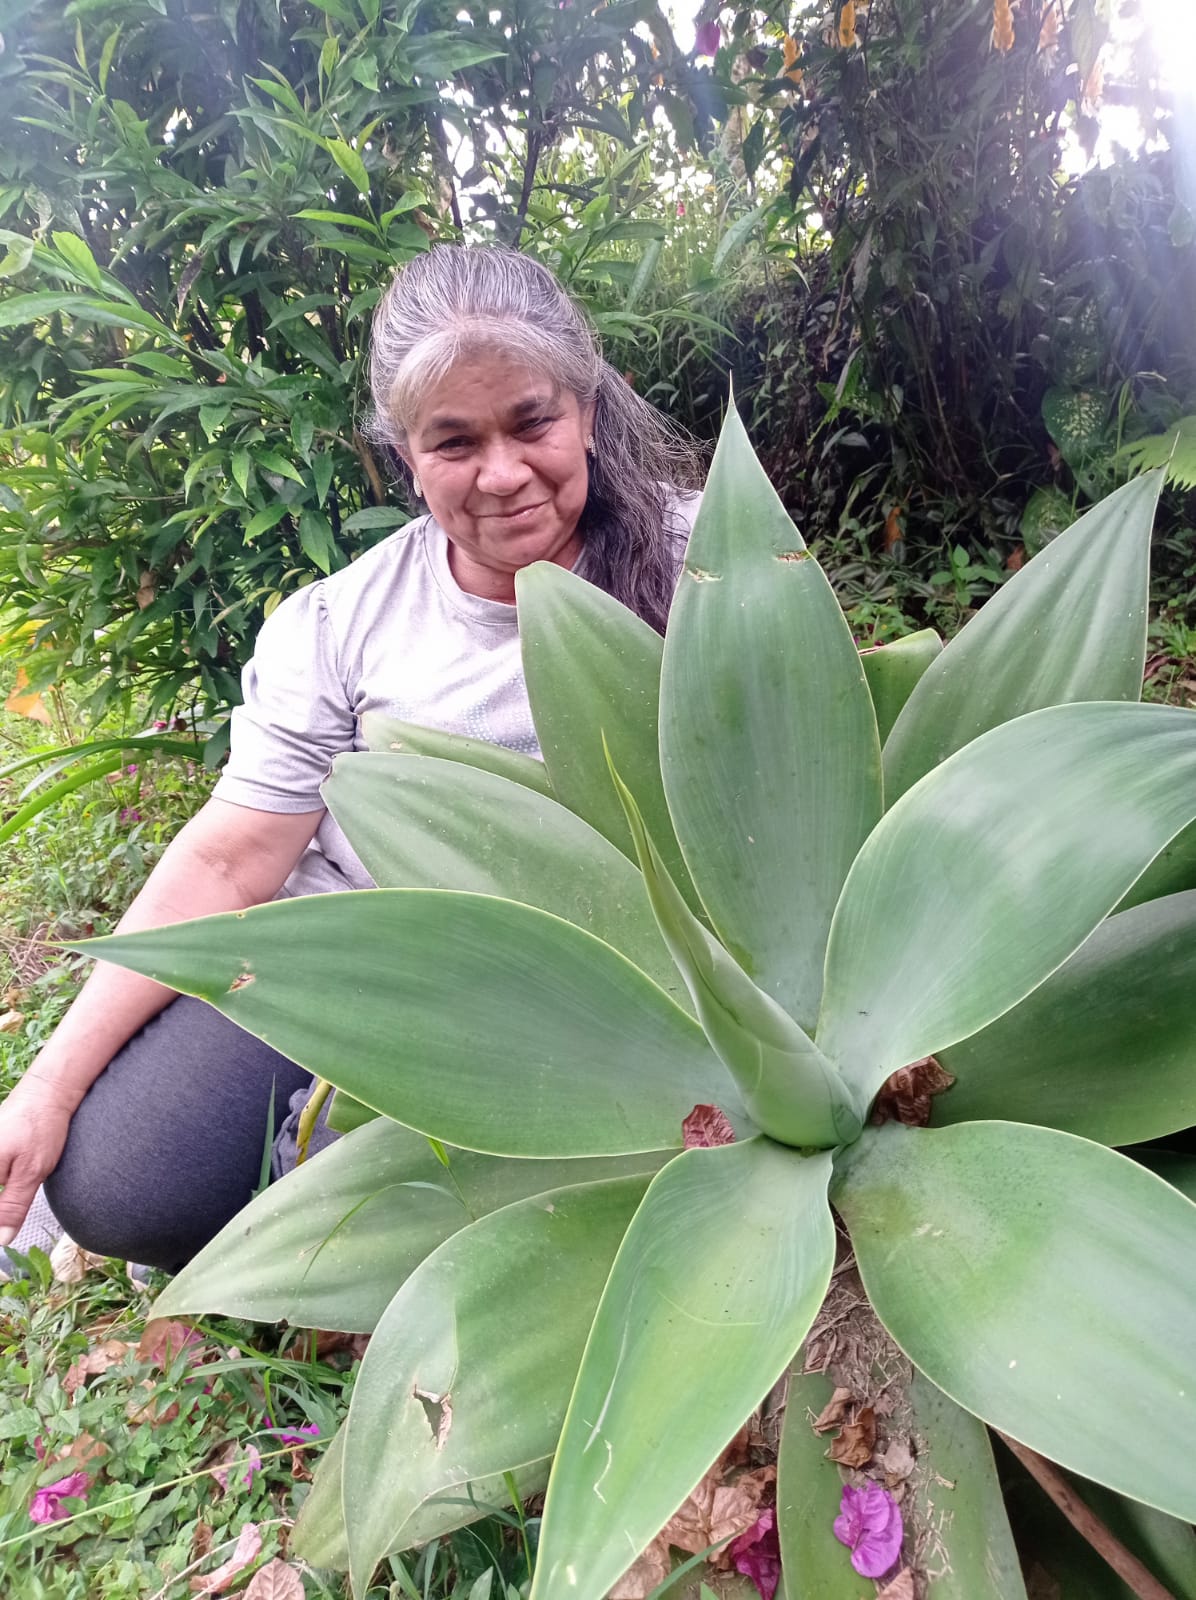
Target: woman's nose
502, 468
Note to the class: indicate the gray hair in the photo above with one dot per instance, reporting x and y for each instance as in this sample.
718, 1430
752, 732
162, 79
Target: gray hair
456, 299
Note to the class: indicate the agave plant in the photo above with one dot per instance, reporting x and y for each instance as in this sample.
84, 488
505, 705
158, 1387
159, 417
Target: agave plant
719, 891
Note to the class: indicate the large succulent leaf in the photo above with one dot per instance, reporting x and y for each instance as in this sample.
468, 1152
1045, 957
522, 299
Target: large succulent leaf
486, 1024
767, 734
328, 1245
983, 879
319, 1536
1071, 625
789, 1088
1176, 1168
420, 823
1106, 1047
390, 736
592, 669
952, 1495
1171, 872
1046, 1283
718, 1280
893, 671
469, 1370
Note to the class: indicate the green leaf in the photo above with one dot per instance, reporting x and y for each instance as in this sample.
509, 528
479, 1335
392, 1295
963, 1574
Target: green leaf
350, 164
468, 1372
483, 1023
1106, 1047
1171, 872
736, 236
316, 541
262, 521
790, 1090
389, 734
1045, 1283
593, 673
271, 461
241, 465
1071, 625
319, 1532
989, 873
893, 671
715, 1285
332, 1241
1175, 451
373, 517
77, 253
952, 1496
1176, 1169
420, 823
767, 735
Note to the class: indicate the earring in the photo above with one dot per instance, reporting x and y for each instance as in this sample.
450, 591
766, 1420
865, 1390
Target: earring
590, 445
419, 493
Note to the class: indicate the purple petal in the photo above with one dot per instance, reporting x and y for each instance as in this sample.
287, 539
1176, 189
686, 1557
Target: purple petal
869, 1524
707, 39
757, 1555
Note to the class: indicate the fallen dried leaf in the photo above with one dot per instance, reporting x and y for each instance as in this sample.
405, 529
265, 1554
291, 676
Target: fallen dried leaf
901, 1588
150, 1409
249, 1545
705, 1128
905, 1097
854, 1445
277, 1581
714, 1513
833, 1412
897, 1462
96, 1360
201, 1542
11, 1021
82, 1450
70, 1263
164, 1340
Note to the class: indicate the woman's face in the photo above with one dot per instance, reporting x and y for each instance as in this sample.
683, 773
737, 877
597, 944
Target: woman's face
500, 455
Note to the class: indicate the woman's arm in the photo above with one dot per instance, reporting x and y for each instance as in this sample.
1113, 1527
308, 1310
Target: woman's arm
226, 858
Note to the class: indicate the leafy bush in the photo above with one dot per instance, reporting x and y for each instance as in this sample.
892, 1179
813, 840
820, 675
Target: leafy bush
716, 912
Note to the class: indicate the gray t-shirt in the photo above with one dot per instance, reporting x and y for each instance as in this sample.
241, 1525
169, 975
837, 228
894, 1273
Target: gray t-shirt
392, 633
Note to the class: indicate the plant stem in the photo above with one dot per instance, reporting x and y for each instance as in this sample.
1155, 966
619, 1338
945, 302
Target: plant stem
1086, 1523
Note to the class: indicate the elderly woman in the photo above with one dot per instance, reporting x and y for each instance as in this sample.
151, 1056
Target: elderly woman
147, 1113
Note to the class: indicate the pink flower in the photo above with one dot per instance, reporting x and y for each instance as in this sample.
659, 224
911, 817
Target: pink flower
130, 814
707, 39
757, 1554
132, 767
291, 1435
159, 725
869, 1524
46, 1505
681, 208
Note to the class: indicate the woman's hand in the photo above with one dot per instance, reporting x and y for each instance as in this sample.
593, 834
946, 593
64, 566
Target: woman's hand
33, 1127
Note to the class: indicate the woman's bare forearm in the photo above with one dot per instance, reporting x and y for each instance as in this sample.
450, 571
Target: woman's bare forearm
225, 859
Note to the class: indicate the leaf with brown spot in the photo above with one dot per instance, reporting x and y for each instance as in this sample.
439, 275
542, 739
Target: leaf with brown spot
853, 1446
706, 1127
276, 1581
833, 1412
905, 1097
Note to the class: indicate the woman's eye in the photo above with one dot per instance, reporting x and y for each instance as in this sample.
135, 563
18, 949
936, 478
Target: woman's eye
537, 424
452, 444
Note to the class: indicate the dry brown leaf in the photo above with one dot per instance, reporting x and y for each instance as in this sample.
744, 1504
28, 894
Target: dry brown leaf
201, 1542
70, 1263
249, 1546
98, 1359
714, 1512
163, 1340
905, 1097
275, 1581
897, 1462
901, 1588
150, 1408
11, 1021
26, 702
83, 1449
853, 1446
833, 1412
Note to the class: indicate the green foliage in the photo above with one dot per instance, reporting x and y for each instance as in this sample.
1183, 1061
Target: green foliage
199, 206
1037, 1280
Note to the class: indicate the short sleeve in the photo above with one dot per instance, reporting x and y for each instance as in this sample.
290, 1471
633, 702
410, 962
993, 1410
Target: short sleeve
296, 714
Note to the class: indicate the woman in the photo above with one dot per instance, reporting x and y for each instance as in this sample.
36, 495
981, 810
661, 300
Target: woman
146, 1113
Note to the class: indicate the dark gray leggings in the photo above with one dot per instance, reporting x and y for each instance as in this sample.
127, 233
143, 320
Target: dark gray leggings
167, 1146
